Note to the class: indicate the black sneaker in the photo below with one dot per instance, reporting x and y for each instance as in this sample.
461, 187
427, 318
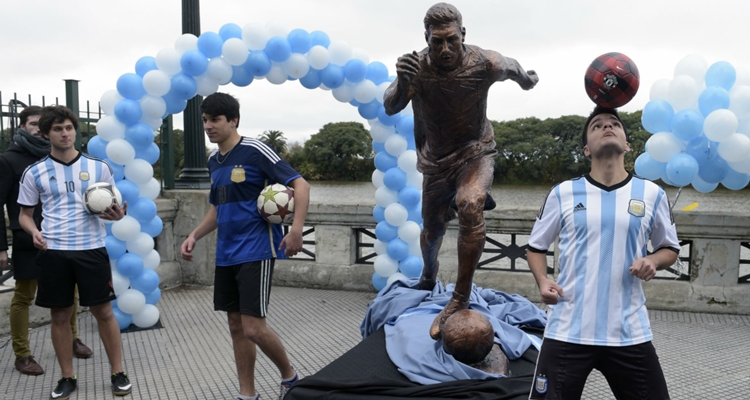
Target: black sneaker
65, 387
121, 384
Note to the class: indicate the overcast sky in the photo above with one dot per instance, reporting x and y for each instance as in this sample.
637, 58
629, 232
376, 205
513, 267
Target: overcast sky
44, 42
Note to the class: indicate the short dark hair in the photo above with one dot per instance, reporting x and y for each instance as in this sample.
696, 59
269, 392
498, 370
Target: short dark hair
442, 14
221, 104
27, 112
55, 115
600, 110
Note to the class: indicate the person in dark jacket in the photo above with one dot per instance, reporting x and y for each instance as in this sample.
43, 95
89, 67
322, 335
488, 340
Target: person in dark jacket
27, 148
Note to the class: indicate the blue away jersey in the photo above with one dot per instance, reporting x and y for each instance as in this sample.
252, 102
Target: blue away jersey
237, 179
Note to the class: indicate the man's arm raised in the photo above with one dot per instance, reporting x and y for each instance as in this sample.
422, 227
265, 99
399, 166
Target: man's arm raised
508, 68
398, 95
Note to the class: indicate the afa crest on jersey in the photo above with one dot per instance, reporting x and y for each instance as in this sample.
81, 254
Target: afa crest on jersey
637, 208
541, 384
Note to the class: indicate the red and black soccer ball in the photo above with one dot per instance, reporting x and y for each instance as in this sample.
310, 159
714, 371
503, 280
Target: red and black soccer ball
612, 80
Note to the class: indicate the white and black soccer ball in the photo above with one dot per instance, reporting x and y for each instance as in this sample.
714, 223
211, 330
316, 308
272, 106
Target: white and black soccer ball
100, 196
276, 204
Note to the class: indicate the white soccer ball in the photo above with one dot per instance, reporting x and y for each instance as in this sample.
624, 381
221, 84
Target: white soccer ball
100, 196
276, 204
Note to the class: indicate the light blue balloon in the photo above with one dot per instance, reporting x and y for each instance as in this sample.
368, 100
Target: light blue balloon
369, 110
117, 170
702, 186
311, 80
129, 265
378, 282
411, 143
713, 98
299, 41
128, 111
240, 76
318, 38
385, 161
405, 126
278, 49
149, 153
145, 64
210, 43
648, 168
229, 31
143, 210
699, 149
97, 147
394, 178
123, 319
145, 282
378, 213
657, 116
715, 170
115, 247
411, 266
258, 63
387, 120
193, 63
682, 169
108, 229
415, 214
721, 74
174, 104
139, 135
355, 103
378, 147
355, 70
735, 180
377, 72
409, 197
154, 227
385, 232
332, 76
128, 190
397, 249
687, 125
130, 86
154, 296
183, 86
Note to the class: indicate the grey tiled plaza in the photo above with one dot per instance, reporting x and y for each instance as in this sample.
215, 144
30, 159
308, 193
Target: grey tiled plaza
704, 356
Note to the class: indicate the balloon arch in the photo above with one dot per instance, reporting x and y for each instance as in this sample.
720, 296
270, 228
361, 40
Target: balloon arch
162, 85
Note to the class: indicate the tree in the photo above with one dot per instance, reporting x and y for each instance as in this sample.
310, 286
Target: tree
339, 151
275, 139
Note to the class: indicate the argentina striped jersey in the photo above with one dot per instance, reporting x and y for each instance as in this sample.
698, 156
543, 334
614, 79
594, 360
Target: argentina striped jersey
602, 230
60, 186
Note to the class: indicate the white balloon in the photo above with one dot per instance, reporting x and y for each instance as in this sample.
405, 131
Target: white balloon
385, 197
234, 51
186, 42
131, 301
276, 28
739, 101
414, 179
694, 66
396, 214
407, 161
380, 91
395, 145
276, 75
415, 249
119, 283
153, 107
168, 61
380, 247
154, 123
150, 189
742, 166
344, 93
661, 146
219, 70
255, 36
151, 260
720, 125
735, 148
409, 231
660, 89
743, 76
324, 87
109, 128
360, 54
147, 317
683, 93
206, 85
385, 266
318, 57
120, 151
141, 245
138, 171
296, 66
396, 277
380, 132
364, 92
128, 228
156, 82
340, 52
377, 178
743, 126
108, 101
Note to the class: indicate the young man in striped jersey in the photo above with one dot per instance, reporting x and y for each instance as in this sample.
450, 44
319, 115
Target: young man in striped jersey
246, 244
597, 317
71, 244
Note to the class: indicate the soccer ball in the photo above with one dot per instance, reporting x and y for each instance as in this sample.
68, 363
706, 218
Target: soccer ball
100, 196
612, 80
276, 204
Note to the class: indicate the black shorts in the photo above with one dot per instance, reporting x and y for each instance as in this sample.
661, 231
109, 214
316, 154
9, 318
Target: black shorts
245, 288
61, 270
633, 372
24, 257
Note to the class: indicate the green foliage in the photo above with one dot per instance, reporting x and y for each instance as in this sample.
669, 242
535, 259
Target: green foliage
339, 151
275, 139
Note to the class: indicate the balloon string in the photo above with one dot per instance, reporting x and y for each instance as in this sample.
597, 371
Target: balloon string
676, 197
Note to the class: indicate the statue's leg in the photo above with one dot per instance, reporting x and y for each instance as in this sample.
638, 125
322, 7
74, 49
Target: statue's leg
435, 208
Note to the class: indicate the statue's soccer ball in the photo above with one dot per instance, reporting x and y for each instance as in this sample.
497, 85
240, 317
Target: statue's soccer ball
100, 196
612, 80
276, 204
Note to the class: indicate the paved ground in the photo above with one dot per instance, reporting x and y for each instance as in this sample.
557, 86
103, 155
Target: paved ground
704, 356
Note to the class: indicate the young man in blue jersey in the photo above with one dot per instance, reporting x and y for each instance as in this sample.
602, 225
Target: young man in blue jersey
71, 244
246, 245
597, 317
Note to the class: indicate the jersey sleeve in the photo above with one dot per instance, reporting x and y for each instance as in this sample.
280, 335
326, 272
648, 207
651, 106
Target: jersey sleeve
547, 225
664, 232
274, 166
28, 193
